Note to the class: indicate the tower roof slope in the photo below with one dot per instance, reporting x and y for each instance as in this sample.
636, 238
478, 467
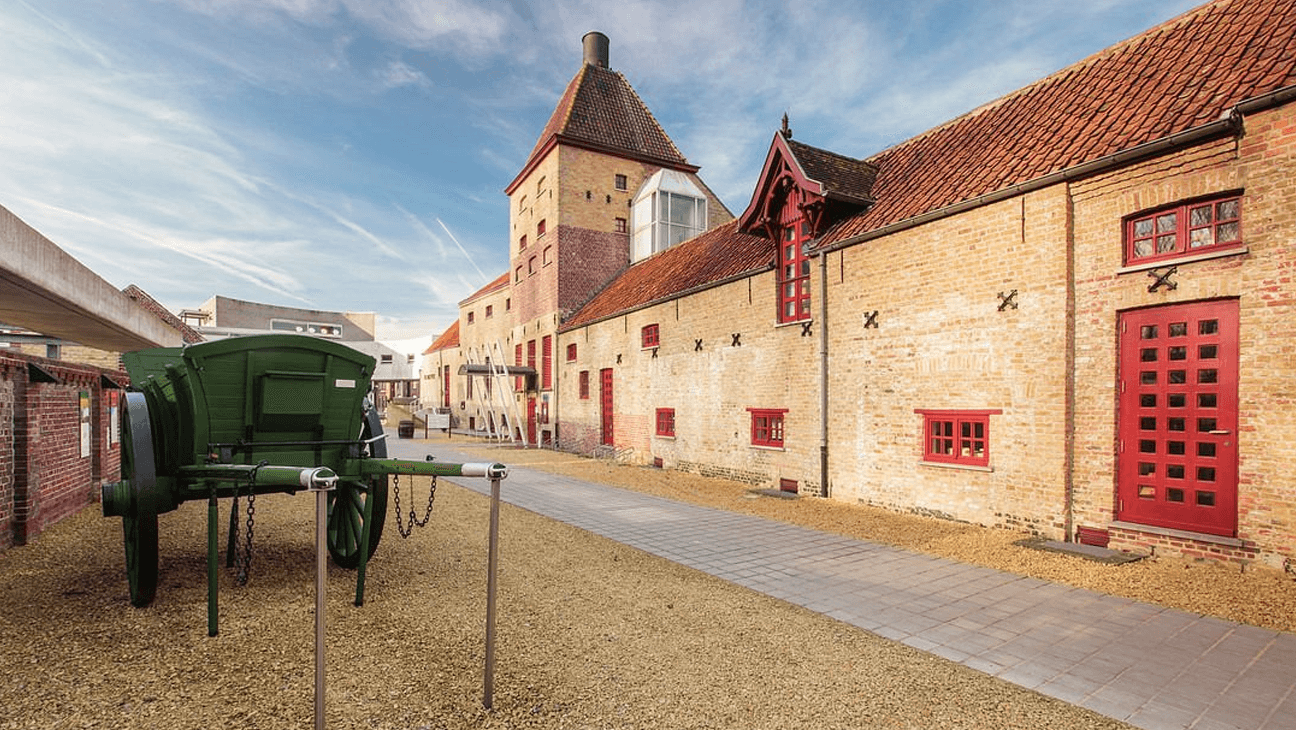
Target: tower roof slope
600, 110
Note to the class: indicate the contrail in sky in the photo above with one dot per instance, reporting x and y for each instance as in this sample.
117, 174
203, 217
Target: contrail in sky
463, 251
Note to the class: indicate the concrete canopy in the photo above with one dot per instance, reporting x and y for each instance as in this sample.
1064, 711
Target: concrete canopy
44, 289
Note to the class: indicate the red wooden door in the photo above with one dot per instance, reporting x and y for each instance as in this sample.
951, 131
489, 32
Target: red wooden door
1177, 464
605, 398
531, 420
445, 383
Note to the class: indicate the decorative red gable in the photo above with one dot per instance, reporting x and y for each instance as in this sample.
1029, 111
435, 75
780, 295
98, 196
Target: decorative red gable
799, 180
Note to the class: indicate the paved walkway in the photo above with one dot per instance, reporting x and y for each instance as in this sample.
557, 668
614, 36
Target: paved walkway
1150, 666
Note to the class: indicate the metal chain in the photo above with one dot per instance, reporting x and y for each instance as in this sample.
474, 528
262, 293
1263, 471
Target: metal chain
243, 562
406, 529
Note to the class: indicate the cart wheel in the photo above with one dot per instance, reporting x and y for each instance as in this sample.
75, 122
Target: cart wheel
346, 506
141, 533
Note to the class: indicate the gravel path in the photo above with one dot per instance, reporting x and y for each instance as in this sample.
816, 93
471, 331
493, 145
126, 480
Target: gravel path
592, 634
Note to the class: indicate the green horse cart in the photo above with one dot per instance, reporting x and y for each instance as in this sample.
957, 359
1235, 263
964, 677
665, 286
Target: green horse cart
254, 415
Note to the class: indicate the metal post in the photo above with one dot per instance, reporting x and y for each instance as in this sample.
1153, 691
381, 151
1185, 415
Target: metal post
321, 488
492, 561
212, 573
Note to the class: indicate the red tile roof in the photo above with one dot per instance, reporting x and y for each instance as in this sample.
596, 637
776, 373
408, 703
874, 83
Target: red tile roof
448, 339
1181, 74
720, 254
496, 284
1145, 89
601, 111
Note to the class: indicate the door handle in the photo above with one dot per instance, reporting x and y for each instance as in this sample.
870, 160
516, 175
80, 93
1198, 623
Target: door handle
1219, 433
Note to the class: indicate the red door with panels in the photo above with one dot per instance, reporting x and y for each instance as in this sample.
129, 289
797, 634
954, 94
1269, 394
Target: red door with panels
605, 395
1178, 417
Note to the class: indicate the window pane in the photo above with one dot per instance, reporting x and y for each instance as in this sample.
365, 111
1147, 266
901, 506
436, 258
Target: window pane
1148, 332
1165, 223
1206, 400
1175, 471
1143, 228
1147, 446
1199, 216
1207, 352
1206, 449
1143, 248
1148, 354
1206, 499
1208, 327
1165, 244
1178, 329
1228, 232
1201, 237
1227, 210
1177, 400
1178, 353
1148, 400
1175, 448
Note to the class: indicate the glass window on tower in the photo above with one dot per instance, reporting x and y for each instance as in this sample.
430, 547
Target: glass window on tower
668, 209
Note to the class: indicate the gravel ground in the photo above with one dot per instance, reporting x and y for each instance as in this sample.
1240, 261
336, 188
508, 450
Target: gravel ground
591, 634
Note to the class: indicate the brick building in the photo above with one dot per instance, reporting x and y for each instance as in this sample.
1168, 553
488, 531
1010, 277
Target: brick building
1067, 311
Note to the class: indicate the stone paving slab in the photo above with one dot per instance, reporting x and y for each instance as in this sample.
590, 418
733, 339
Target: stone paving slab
1150, 666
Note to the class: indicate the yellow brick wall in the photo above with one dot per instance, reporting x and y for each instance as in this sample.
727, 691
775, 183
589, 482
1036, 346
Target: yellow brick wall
710, 389
942, 342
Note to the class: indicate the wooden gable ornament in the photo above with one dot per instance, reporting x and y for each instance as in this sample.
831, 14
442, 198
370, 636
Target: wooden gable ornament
803, 181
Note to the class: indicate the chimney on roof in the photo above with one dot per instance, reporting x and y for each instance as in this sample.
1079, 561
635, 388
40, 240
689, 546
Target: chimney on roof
596, 49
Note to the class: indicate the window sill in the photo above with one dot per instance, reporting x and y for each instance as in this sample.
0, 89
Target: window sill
1188, 259
793, 322
663, 437
763, 447
963, 467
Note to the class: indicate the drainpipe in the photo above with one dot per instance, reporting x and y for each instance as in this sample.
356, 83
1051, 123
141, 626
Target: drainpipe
823, 375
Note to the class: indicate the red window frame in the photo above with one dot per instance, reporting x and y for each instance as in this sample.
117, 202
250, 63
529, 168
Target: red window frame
490, 311
584, 385
666, 422
571, 352
540, 229
470, 317
794, 273
1206, 224
957, 436
767, 427
522, 243
620, 182
621, 224
546, 362
650, 336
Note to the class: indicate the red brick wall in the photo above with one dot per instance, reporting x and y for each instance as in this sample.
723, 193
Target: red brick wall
43, 476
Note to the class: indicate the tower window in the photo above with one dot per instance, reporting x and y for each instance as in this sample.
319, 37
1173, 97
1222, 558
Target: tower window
667, 210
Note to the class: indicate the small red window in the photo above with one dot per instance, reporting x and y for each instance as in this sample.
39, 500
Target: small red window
1184, 229
522, 243
490, 310
767, 426
665, 421
620, 182
571, 352
620, 225
584, 385
470, 318
650, 336
957, 437
540, 229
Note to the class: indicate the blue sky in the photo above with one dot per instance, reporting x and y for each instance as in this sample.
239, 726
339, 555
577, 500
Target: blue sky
352, 154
